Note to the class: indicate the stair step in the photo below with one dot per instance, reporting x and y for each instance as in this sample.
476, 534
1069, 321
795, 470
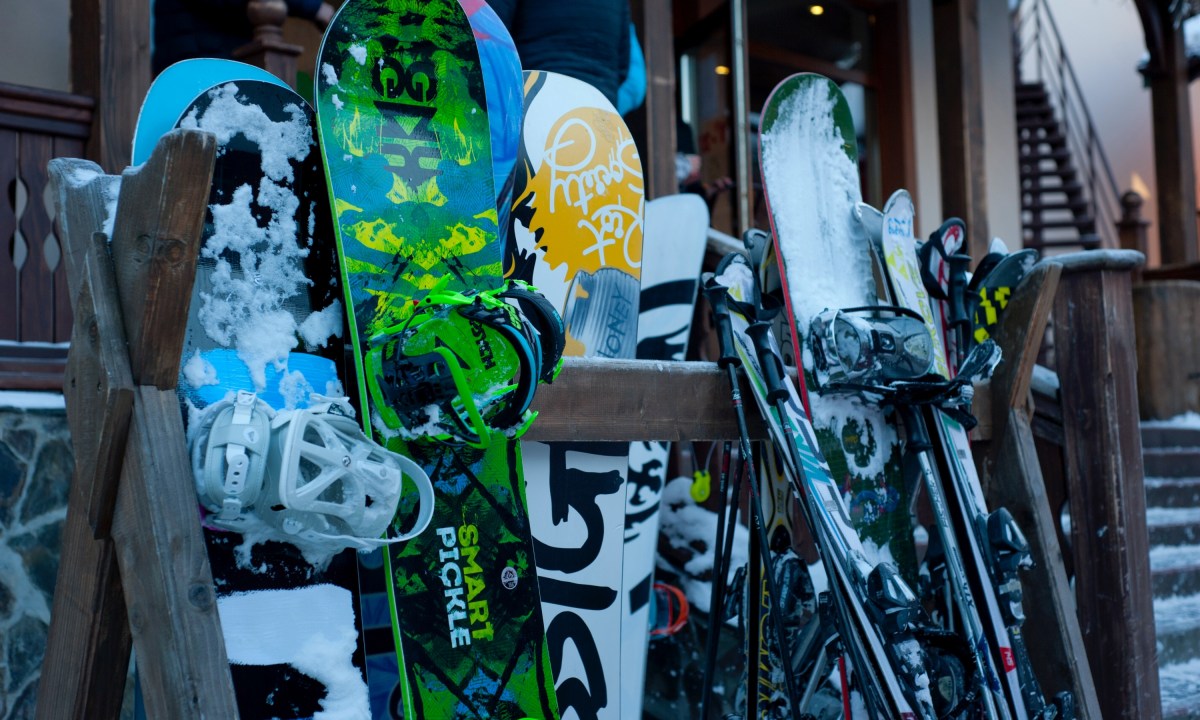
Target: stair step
1177, 462
1068, 178
1179, 685
1173, 526
1176, 581
1177, 625
1086, 241
1077, 207
1085, 224
1059, 156
1159, 434
1032, 142
1172, 492
1072, 190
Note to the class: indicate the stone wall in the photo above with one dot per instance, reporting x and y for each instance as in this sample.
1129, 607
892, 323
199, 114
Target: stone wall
35, 476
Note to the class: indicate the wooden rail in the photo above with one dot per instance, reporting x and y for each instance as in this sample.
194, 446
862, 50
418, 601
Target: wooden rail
35, 308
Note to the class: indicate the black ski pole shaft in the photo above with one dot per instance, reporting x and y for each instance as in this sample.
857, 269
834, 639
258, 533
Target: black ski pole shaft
719, 302
717, 594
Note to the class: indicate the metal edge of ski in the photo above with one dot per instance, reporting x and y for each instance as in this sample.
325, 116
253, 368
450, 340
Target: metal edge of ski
839, 543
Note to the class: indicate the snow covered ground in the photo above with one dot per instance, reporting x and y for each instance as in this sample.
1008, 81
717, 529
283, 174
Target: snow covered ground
18, 400
1176, 617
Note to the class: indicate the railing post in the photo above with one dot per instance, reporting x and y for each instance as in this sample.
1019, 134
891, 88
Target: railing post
1102, 452
268, 49
1131, 228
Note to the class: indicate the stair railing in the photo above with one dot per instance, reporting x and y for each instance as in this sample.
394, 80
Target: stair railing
1040, 56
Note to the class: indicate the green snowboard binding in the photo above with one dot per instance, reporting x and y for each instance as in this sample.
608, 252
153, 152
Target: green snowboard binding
465, 364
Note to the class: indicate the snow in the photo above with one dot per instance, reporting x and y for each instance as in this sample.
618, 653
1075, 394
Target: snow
359, 53
816, 235
328, 74
1176, 614
311, 629
31, 400
1180, 686
1188, 420
1174, 557
199, 372
1158, 516
690, 527
244, 306
321, 325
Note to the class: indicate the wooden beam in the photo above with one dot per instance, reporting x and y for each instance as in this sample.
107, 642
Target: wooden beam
169, 593
1103, 458
629, 400
155, 243
162, 597
1167, 320
960, 118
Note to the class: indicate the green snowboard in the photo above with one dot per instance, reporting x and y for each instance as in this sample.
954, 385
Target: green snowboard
405, 136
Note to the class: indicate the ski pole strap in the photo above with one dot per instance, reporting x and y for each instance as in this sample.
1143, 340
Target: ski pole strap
718, 299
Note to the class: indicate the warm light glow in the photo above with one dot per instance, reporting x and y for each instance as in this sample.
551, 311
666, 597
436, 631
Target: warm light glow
816, 9
722, 70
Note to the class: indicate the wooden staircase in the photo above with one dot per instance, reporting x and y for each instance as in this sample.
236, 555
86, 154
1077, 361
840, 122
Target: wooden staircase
1172, 462
1055, 212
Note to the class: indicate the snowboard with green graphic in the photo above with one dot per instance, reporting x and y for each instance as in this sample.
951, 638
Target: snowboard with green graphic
826, 258
405, 135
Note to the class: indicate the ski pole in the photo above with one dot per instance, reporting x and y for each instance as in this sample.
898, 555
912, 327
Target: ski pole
719, 303
717, 594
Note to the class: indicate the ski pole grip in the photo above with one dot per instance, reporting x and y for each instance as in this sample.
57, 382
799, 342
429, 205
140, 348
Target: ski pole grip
718, 300
768, 361
958, 288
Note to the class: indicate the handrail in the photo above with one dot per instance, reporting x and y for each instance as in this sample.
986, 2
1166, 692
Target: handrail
1040, 52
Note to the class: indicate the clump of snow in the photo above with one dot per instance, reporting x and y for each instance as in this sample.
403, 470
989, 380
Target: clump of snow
311, 629
321, 325
294, 388
257, 268
328, 74
815, 189
359, 53
689, 527
199, 372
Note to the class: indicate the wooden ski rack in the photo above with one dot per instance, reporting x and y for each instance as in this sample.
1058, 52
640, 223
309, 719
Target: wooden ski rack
134, 571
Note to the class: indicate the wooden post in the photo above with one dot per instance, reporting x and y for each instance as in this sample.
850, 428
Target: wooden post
1131, 228
163, 598
268, 50
1103, 457
1013, 478
110, 62
1171, 115
653, 20
1167, 320
960, 118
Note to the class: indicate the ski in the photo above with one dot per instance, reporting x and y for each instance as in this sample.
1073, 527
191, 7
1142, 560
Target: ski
978, 570
886, 658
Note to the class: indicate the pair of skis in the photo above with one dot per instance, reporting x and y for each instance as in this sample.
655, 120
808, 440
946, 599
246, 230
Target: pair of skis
877, 618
